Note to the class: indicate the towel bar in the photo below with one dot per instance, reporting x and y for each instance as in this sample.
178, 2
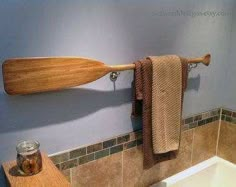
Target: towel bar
205, 60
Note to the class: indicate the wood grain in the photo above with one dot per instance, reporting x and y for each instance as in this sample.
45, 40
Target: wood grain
50, 176
32, 75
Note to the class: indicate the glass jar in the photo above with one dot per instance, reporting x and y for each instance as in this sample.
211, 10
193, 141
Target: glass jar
29, 159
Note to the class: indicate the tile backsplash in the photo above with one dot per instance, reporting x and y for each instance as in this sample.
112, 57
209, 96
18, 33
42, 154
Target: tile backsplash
96, 151
119, 160
76, 162
83, 155
227, 136
125, 168
229, 116
201, 119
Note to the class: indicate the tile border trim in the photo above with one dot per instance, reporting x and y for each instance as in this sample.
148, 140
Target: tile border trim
228, 115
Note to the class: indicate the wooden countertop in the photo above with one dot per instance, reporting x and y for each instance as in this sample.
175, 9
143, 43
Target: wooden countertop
50, 176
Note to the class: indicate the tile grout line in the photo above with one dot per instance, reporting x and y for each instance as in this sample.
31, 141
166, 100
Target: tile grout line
122, 169
218, 133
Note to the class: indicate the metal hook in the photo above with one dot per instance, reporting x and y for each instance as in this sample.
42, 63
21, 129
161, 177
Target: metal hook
191, 66
114, 76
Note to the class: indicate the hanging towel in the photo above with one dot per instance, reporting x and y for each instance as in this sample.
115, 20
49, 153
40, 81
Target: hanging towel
142, 104
138, 89
167, 86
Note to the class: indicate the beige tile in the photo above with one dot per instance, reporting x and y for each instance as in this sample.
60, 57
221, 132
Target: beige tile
132, 166
105, 172
66, 173
135, 175
227, 133
183, 159
204, 142
227, 141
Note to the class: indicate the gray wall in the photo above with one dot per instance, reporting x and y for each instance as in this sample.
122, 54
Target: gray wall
114, 32
229, 85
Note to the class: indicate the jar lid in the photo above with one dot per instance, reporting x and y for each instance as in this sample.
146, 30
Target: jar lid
27, 146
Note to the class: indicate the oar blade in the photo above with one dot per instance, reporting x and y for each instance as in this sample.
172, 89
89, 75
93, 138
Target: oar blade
32, 75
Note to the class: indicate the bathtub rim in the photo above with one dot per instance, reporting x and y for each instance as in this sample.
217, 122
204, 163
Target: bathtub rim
192, 170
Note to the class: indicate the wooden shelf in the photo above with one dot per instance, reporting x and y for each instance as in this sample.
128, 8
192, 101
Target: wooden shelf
50, 176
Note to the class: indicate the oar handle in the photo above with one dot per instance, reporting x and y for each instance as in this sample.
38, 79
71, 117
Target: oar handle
205, 60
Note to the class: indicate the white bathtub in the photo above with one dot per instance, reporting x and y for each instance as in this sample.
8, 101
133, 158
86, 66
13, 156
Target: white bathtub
215, 172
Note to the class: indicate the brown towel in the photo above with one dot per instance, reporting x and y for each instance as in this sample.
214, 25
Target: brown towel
143, 95
166, 102
137, 90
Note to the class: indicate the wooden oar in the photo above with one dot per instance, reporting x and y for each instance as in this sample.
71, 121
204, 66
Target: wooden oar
31, 75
